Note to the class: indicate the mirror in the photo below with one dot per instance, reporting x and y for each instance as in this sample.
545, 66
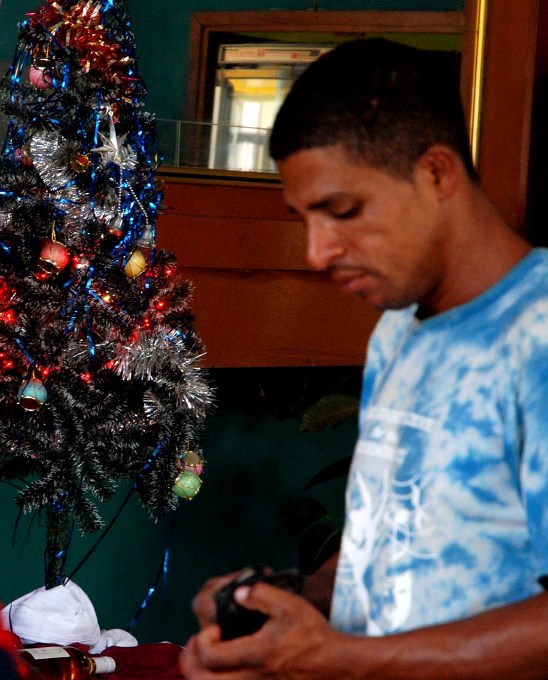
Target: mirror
237, 142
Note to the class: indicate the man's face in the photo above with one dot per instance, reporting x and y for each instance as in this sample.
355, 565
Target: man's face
378, 235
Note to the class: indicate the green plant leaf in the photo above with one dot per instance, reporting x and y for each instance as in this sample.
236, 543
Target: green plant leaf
333, 409
337, 469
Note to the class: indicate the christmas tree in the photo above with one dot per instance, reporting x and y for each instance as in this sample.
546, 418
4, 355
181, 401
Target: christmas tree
99, 360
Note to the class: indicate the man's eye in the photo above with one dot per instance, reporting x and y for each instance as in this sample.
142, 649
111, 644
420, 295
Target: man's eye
346, 214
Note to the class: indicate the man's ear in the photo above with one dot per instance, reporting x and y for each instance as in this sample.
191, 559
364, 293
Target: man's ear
445, 168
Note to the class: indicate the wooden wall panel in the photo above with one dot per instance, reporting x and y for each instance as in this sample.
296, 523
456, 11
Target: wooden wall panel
231, 225
507, 103
255, 300
277, 318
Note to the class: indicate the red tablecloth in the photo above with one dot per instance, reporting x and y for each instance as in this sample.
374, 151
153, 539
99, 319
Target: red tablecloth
159, 661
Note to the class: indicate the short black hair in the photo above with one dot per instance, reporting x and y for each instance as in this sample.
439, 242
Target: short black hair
385, 102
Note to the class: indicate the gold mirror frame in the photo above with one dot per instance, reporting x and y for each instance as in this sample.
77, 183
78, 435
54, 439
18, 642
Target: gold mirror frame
477, 13
309, 25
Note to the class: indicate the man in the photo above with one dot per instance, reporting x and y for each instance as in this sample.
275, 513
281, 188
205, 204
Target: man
445, 545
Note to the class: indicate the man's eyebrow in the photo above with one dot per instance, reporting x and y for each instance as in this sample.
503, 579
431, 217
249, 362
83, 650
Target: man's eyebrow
322, 204
318, 205
330, 201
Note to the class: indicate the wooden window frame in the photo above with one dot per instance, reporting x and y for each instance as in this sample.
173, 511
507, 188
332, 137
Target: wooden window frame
469, 24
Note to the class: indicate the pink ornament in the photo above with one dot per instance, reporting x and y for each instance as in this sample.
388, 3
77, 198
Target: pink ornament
197, 469
193, 462
39, 78
54, 257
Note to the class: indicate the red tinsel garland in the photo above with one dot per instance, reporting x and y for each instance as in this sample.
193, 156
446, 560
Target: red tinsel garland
79, 28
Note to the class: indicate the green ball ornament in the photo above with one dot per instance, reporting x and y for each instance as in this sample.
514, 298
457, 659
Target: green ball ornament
187, 485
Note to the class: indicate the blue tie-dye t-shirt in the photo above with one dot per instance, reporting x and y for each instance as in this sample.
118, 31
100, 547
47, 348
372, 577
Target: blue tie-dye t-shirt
447, 498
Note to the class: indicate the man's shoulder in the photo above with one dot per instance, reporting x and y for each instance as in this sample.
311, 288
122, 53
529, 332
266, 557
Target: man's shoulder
533, 269
529, 288
521, 293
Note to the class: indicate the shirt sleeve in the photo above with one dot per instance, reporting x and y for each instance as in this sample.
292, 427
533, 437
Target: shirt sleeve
534, 463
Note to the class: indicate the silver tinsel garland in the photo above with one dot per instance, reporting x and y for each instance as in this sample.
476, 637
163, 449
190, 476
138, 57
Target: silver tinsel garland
51, 155
157, 354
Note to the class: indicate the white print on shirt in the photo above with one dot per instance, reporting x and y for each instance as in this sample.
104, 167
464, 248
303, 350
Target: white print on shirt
389, 415
387, 528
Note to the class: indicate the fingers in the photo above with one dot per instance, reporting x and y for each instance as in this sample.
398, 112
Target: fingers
293, 628
206, 658
203, 604
269, 600
190, 664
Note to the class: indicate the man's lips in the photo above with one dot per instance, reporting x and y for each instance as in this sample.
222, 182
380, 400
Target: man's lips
351, 280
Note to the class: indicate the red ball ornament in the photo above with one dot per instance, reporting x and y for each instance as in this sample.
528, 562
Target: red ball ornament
21, 156
39, 78
54, 257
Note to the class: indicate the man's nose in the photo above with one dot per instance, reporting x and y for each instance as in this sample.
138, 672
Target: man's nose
322, 248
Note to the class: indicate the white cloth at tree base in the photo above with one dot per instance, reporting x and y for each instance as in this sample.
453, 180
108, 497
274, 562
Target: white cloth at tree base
61, 616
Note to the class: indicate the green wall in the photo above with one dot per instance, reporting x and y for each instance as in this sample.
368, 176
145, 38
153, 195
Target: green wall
247, 511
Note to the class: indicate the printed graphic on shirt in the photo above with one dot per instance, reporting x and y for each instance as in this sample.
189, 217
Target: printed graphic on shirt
385, 524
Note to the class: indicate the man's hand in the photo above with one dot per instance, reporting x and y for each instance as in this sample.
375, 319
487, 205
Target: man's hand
203, 605
296, 643
292, 644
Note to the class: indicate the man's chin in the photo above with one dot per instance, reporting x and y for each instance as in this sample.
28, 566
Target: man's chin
374, 297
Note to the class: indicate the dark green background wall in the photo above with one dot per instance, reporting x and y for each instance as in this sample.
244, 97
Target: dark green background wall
246, 512
258, 460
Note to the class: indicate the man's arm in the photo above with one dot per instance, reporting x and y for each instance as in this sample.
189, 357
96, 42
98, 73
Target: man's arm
318, 587
504, 644
297, 643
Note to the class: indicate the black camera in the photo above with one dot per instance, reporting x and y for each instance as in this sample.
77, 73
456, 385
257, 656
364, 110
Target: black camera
235, 620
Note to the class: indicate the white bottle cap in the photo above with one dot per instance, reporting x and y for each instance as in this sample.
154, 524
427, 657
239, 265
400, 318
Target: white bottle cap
104, 664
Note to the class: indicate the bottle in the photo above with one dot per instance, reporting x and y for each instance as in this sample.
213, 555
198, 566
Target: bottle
61, 663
